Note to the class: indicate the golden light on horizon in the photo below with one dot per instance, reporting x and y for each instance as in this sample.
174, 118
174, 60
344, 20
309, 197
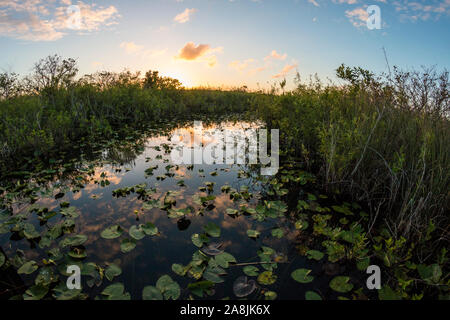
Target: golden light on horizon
185, 80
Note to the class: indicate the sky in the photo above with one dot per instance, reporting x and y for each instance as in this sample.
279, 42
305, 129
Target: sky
226, 43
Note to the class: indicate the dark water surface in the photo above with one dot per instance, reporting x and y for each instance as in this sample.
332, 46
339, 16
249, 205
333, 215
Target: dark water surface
155, 255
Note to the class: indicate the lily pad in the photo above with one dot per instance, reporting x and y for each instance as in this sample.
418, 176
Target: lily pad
112, 232
213, 249
251, 271
231, 212
169, 288
243, 287
341, 284
28, 267
112, 271
78, 253
314, 254
116, 292
127, 245
151, 293
73, 241
267, 278
270, 295
149, 229
199, 239
253, 233
225, 259
35, 293
302, 275
136, 232
386, 293
311, 295
278, 233
61, 292
301, 225
179, 269
212, 229
200, 287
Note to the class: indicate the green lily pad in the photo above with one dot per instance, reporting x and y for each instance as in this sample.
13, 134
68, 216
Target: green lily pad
136, 232
199, 239
73, 241
302, 275
150, 229
151, 293
270, 295
386, 293
127, 245
200, 287
301, 225
179, 269
278, 233
169, 288
30, 232
212, 229
251, 271
311, 295
77, 253
35, 293
116, 292
28, 267
112, 271
225, 259
314, 254
231, 212
61, 292
71, 212
267, 278
253, 233
341, 284
212, 276
112, 232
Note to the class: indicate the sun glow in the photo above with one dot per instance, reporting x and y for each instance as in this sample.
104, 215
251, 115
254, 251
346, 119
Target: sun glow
182, 77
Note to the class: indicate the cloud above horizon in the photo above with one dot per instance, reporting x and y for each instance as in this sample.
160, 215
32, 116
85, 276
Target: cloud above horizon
185, 16
201, 52
286, 69
275, 55
37, 20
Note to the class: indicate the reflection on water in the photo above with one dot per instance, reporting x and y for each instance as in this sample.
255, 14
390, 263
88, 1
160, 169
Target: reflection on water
91, 194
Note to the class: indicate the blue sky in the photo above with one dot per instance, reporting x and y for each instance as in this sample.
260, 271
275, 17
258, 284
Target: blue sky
223, 42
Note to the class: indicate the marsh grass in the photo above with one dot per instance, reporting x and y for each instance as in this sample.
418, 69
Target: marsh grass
382, 140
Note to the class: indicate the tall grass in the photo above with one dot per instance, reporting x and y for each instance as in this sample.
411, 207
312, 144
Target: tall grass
40, 118
384, 141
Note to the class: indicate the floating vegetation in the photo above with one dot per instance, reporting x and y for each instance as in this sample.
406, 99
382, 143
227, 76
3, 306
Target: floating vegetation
243, 287
237, 235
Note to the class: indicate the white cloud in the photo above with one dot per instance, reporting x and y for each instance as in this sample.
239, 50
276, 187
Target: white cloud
39, 20
422, 10
201, 52
275, 55
358, 17
286, 69
185, 15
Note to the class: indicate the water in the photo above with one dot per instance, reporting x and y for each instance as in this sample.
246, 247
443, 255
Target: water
155, 255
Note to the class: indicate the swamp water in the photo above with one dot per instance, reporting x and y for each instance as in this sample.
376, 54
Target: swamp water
139, 226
